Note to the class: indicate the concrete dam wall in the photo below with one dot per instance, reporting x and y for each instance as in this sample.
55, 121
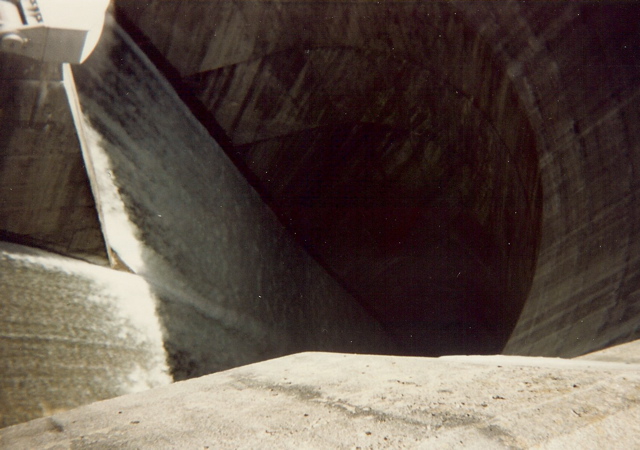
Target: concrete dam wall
229, 285
462, 168
397, 178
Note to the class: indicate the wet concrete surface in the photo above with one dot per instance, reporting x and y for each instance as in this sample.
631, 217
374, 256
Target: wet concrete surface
72, 333
233, 285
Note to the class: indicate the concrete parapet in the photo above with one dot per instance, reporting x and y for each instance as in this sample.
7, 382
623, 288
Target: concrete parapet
337, 401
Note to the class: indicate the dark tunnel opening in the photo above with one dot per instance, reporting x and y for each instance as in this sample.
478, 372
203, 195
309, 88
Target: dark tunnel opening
399, 217
406, 146
407, 169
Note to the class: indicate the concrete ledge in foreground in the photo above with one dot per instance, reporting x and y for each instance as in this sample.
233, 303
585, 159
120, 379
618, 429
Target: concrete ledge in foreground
325, 400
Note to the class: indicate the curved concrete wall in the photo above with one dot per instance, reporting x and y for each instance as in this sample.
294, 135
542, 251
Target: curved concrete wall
234, 287
576, 67
556, 82
509, 152
414, 181
219, 282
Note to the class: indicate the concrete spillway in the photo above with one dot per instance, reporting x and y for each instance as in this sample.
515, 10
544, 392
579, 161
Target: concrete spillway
409, 178
451, 163
230, 286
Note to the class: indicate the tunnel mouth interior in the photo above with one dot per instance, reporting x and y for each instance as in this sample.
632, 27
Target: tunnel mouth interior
406, 166
418, 222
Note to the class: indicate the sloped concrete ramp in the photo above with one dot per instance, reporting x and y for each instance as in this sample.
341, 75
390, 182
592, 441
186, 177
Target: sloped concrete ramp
329, 400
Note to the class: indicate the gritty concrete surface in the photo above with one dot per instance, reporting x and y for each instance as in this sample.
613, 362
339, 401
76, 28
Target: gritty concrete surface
326, 400
626, 353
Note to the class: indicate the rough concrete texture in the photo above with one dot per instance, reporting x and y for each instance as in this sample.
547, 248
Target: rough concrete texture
627, 353
405, 142
234, 287
45, 200
72, 333
465, 170
324, 400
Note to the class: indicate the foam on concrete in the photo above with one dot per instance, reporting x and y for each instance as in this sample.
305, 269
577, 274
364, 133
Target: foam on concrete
72, 333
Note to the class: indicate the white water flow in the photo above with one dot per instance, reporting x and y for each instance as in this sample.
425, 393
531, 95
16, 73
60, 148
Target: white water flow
120, 234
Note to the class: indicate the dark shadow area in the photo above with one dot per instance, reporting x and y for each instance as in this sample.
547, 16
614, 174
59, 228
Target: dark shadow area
419, 208
45, 197
232, 286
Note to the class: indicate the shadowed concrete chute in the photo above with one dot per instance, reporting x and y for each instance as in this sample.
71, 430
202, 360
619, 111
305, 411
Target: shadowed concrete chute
392, 178
391, 141
448, 162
